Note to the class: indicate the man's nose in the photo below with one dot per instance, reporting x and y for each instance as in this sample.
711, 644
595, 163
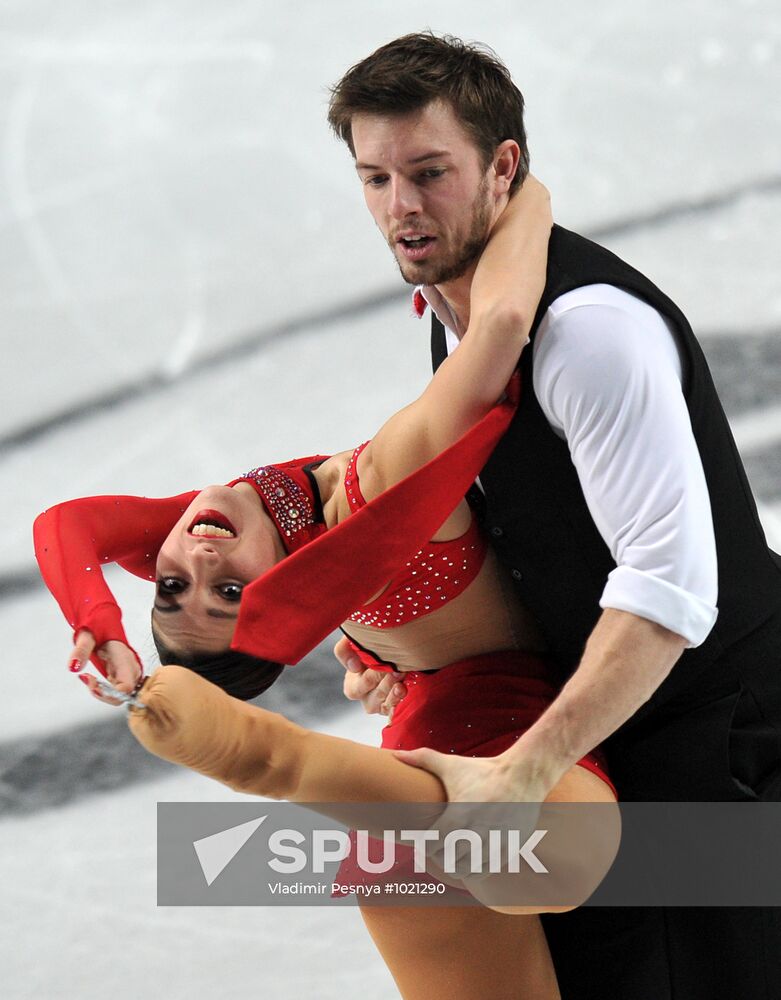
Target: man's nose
404, 198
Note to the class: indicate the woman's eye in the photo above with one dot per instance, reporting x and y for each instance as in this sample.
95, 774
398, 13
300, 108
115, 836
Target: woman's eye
230, 591
169, 585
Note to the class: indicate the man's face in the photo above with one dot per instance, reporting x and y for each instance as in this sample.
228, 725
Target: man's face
425, 186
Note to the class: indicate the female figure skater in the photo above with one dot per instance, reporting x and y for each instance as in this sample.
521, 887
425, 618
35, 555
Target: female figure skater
447, 610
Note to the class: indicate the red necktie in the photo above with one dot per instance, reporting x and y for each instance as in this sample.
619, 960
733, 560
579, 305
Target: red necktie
286, 612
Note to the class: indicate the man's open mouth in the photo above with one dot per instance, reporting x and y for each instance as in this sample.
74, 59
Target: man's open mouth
415, 247
211, 524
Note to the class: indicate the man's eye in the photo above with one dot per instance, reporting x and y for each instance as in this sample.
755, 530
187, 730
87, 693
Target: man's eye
230, 591
377, 181
170, 585
432, 172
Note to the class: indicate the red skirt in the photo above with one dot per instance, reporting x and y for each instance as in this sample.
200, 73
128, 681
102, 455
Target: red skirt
474, 708
477, 707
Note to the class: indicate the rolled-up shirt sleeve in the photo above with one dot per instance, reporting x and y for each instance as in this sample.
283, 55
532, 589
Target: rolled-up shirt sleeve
608, 377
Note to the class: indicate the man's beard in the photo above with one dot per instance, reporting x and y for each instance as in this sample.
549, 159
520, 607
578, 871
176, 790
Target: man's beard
459, 262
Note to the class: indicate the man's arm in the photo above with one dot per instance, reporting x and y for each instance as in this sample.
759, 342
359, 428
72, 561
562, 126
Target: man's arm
609, 383
625, 660
608, 379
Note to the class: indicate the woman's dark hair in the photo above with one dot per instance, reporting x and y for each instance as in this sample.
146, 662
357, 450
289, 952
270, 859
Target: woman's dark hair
239, 675
408, 73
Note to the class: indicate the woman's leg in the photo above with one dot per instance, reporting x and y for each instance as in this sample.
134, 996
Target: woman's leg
191, 722
579, 784
463, 953
194, 723
583, 833
468, 952
449, 952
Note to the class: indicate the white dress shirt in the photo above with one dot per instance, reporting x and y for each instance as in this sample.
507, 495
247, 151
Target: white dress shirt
607, 374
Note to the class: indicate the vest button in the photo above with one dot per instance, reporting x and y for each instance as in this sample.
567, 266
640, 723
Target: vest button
496, 531
516, 574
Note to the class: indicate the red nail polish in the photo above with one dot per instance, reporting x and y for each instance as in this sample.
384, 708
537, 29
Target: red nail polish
75, 665
83, 677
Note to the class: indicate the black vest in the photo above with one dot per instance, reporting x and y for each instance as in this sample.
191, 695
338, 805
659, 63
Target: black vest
537, 517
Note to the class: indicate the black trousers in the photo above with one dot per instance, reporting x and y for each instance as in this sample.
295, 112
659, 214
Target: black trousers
720, 742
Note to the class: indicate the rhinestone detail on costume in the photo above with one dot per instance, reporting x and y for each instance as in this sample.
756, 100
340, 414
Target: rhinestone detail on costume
430, 578
284, 499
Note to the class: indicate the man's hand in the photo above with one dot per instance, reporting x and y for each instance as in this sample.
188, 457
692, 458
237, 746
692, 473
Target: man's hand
478, 779
475, 787
475, 780
506, 796
379, 692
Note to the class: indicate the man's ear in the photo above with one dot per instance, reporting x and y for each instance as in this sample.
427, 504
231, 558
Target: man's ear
507, 156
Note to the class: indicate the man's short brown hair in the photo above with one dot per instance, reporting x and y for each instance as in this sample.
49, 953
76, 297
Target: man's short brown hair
408, 73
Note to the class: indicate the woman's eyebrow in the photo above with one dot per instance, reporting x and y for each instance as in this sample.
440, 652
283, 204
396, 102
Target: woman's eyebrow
173, 607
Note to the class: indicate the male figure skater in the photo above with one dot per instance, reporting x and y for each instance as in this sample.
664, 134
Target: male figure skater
617, 502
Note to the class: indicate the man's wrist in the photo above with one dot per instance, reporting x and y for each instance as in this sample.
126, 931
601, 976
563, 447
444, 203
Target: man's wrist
531, 765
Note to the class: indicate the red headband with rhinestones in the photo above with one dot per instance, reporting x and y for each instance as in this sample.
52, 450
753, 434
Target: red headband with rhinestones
286, 493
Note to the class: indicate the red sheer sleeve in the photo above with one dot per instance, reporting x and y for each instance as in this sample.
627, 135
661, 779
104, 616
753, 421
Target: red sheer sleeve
73, 540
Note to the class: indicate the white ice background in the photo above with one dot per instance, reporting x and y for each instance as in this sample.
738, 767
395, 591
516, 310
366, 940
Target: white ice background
169, 194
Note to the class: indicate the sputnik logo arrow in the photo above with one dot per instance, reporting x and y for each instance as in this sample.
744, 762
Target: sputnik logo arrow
216, 852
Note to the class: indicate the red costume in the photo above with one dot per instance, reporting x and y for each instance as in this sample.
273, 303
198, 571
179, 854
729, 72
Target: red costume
477, 707
433, 576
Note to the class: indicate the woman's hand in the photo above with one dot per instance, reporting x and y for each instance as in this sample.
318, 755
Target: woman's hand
122, 667
379, 692
510, 274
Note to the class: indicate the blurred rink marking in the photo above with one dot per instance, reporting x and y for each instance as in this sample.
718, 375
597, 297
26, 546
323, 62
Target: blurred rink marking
244, 345
184, 347
757, 429
677, 210
183, 361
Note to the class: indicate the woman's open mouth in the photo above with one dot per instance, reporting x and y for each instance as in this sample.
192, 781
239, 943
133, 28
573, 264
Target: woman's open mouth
211, 524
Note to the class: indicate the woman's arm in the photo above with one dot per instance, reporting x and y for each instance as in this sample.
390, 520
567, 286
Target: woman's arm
504, 297
73, 540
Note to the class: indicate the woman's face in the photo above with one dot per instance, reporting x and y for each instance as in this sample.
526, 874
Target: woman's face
222, 542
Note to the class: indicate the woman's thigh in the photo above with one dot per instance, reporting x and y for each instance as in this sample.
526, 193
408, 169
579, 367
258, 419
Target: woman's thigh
583, 810
578, 784
463, 953
581, 823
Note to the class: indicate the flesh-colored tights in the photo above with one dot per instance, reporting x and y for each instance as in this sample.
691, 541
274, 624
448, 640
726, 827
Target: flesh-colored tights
449, 953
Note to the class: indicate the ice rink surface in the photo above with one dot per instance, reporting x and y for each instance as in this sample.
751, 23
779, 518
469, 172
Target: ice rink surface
191, 286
